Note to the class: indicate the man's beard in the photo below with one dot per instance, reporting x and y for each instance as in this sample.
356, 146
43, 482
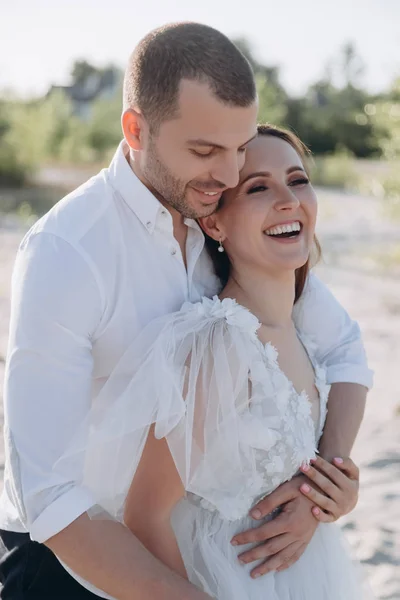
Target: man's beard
171, 189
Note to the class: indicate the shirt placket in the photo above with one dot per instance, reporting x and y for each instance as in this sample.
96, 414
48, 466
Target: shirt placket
164, 230
194, 247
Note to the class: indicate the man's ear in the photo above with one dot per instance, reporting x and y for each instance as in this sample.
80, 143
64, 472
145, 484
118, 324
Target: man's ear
132, 126
212, 228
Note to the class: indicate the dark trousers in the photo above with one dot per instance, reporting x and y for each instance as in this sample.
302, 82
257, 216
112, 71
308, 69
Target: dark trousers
30, 571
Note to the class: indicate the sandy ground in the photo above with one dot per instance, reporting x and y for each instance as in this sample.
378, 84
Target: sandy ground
356, 237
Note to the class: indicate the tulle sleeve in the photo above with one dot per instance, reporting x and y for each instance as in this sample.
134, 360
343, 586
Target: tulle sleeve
189, 375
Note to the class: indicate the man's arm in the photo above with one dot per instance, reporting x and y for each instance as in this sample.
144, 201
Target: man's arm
57, 307
336, 336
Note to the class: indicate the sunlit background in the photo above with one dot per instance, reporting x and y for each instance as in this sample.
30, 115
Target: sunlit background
328, 70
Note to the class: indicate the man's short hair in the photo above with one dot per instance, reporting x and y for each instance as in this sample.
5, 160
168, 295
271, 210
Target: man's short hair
185, 51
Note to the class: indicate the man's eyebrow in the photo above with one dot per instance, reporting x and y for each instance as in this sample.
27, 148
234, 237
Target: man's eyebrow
208, 144
268, 174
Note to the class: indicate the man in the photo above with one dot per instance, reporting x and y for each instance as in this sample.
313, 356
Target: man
118, 252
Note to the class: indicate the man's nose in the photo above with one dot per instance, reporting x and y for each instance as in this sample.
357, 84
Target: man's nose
227, 170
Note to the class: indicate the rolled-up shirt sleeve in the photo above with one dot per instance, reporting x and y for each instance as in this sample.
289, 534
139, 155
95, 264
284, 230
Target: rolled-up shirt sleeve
338, 338
56, 307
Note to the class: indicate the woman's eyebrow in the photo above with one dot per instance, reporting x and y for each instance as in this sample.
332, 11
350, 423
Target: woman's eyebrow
268, 174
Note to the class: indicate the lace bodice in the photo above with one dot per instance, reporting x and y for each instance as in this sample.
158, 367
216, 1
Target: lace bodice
276, 426
235, 426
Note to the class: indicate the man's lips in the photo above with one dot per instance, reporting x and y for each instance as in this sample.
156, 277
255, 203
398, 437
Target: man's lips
209, 196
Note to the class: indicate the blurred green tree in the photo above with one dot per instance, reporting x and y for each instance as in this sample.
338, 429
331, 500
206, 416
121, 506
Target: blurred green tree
271, 94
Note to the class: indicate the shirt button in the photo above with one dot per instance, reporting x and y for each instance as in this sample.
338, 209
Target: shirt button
148, 224
163, 212
173, 251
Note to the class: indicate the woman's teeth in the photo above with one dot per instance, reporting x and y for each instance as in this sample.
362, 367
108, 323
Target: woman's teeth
279, 229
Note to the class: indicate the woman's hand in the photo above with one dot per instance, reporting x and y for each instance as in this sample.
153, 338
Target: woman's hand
339, 483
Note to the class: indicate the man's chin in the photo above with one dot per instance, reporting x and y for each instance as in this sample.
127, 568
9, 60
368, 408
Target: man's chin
200, 210
206, 210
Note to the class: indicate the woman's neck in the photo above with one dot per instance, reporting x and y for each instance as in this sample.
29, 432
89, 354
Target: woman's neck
269, 297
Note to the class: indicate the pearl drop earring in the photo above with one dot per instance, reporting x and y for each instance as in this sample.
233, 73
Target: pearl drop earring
220, 247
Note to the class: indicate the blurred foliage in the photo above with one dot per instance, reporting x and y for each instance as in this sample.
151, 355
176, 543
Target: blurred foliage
335, 170
336, 118
49, 130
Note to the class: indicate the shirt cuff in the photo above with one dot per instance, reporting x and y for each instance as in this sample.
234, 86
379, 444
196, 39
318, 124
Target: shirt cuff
61, 513
350, 374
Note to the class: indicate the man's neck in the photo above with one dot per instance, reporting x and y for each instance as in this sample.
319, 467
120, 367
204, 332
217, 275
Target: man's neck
179, 227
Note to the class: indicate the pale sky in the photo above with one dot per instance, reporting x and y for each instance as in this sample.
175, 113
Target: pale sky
39, 39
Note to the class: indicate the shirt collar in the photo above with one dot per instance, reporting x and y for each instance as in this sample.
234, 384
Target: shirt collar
136, 195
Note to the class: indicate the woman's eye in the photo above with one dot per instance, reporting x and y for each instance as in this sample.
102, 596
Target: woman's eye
257, 188
300, 181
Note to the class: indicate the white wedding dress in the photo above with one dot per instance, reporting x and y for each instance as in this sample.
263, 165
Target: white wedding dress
236, 429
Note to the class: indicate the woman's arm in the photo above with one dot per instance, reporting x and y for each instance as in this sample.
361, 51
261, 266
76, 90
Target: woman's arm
346, 405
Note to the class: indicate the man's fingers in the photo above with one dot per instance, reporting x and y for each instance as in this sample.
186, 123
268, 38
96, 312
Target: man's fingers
278, 560
270, 548
294, 558
262, 533
347, 466
285, 492
320, 499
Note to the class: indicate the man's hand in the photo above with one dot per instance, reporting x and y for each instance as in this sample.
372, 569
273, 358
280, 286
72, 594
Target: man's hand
338, 482
283, 540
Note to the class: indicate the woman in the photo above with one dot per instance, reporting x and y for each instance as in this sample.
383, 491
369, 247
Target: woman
224, 400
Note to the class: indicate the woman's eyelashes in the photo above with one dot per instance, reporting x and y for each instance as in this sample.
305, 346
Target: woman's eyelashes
262, 187
300, 181
257, 188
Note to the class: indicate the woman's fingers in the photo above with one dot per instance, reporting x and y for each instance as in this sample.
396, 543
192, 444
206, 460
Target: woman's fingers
338, 481
327, 504
333, 472
348, 467
324, 483
322, 516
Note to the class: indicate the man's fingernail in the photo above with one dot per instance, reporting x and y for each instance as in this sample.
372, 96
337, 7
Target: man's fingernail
256, 514
234, 543
305, 488
339, 461
256, 575
305, 468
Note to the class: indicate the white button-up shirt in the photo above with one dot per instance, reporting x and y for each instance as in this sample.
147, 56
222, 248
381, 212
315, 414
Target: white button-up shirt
88, 277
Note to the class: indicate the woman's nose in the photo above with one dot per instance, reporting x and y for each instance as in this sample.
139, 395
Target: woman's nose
286, 200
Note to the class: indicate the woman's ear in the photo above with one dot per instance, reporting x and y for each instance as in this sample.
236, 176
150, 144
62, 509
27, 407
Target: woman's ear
132, 126
212, 228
